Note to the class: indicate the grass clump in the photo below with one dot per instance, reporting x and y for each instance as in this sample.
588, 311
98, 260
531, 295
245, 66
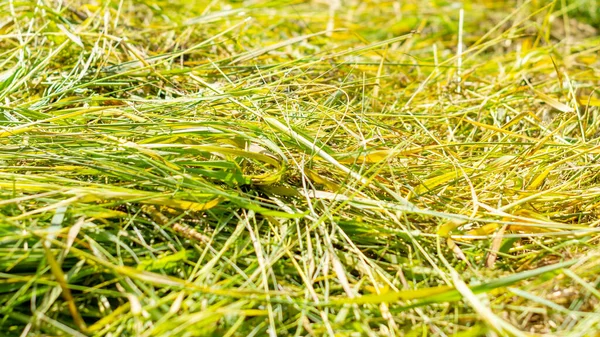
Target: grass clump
170, 168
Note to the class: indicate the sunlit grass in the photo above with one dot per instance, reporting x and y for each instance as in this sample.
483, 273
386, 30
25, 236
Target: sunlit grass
173, 168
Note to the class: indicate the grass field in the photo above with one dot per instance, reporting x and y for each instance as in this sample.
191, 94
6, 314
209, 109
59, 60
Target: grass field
299, 168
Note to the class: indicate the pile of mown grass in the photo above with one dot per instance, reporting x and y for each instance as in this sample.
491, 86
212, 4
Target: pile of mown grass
250, 168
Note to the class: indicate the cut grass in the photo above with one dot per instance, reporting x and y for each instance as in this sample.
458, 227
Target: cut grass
169, 168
